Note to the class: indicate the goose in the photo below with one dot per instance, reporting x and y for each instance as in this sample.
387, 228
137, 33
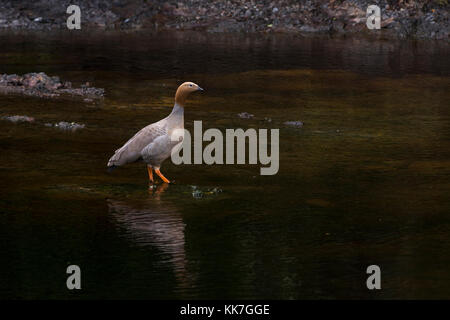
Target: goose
153, 143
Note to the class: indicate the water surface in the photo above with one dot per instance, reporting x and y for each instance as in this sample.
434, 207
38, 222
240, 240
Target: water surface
364, 181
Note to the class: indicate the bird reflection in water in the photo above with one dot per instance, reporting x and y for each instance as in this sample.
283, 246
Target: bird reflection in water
155, 222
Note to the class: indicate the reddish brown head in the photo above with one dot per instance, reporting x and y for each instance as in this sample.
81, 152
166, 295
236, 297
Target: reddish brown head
184, 90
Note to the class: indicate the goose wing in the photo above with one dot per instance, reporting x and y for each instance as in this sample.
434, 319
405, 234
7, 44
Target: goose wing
131, 150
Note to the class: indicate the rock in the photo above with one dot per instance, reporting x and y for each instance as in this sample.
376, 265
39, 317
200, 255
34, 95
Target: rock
17, 119
387, 22
245, 115
214, 190
197, 193
296, 124
72, 126
41, 85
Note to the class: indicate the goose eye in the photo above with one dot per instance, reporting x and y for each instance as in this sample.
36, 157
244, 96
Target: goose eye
190, 85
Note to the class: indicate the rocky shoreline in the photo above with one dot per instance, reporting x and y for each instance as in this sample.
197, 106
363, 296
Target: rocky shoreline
423, 19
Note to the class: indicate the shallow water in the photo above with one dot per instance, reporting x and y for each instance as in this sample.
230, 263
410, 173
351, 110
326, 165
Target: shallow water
364, 181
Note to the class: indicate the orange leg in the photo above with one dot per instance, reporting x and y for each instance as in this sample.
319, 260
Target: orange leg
150, 173
161, 176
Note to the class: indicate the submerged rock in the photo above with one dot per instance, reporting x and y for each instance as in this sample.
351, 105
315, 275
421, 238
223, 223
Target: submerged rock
66, 126
245, 115
296, 124
16, 118
414, 19
198, 193
63, 125
72, 126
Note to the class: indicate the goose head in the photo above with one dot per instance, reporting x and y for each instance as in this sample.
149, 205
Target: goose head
184, 90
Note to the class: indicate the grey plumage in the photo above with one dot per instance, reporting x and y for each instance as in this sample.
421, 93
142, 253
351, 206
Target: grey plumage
152, 144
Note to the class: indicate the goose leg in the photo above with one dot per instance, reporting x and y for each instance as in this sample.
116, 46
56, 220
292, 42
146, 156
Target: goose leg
161, 176
150, 173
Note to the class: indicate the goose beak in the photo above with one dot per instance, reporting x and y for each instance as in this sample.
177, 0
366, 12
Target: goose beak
200, 89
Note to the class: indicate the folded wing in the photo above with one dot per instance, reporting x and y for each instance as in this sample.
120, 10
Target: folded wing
131, 150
